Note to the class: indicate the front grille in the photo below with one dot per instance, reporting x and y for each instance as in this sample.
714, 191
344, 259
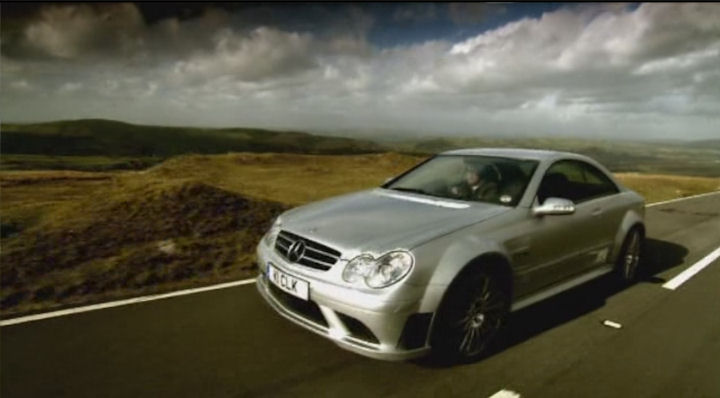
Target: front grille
306, 309
316, 255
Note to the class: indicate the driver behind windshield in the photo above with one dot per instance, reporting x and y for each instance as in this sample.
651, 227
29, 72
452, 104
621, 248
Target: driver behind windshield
480, 183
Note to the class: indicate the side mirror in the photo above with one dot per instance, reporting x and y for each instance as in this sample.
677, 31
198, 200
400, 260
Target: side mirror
554, 206
387, 180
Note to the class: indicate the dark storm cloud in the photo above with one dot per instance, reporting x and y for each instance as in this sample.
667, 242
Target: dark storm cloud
472, 13
418, 13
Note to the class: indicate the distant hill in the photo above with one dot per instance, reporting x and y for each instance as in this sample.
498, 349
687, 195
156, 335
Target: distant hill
92, 137
707, 144
97, 145
700, 158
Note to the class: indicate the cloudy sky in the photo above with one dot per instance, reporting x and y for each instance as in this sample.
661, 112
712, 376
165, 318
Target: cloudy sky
618, 71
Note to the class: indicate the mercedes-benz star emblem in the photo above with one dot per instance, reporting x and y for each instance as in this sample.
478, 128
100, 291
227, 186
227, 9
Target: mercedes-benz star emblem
296, 251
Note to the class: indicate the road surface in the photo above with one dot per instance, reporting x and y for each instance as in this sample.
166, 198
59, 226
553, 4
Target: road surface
227, 343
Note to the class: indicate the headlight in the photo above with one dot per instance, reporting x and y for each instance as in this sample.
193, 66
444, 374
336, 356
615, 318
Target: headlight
380, 272
272, 233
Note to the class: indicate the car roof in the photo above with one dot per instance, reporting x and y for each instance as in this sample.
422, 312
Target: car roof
517, 153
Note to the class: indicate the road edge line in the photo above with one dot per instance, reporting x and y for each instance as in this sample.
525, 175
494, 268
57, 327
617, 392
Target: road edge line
689, 272
119, 303
680, 199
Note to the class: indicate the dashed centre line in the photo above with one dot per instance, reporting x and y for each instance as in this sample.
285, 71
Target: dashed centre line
505, 394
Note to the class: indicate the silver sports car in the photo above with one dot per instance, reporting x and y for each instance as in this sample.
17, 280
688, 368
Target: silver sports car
435, 259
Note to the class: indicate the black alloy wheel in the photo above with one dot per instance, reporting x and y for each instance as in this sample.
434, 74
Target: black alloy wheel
629, 258
470, 317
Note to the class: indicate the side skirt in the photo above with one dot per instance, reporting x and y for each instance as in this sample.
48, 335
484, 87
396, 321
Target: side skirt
560, 287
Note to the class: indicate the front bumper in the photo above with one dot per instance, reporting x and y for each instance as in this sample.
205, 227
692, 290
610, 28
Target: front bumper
362, 324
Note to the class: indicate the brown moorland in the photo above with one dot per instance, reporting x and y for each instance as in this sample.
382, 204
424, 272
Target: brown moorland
72, 238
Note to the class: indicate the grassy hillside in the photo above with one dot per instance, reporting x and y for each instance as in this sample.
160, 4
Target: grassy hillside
99, 145
132, 238
97, 137
707, 144
74, 237
77, 237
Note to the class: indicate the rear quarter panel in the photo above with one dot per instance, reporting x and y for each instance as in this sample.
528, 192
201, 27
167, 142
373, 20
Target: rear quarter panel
634, 214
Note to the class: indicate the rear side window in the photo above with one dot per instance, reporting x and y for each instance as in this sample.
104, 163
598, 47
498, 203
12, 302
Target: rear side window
575, 180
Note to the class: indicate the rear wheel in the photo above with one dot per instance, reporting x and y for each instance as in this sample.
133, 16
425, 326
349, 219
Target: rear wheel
629, 258
469, 317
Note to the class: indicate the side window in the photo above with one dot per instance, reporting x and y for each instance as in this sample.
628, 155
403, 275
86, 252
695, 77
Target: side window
596, 183
575, 180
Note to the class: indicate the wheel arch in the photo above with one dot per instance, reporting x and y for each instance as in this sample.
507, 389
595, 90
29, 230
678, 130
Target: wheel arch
632, 220
495, 263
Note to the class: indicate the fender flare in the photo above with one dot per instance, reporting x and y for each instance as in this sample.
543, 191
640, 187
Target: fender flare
631, 220
458, 258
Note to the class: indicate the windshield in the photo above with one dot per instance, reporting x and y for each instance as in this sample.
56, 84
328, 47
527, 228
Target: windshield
469, 177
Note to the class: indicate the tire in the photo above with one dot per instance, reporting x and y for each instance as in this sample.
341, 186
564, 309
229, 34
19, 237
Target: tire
470, 316
629, 258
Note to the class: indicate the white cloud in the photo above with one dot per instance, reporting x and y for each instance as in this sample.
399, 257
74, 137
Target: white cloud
70, 87
263, 53
681, 62
68, 31
21, 85
588, 69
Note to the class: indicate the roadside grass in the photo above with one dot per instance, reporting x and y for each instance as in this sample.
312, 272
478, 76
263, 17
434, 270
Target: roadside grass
27, 196
659, 187
132, 237
73, 238
287, 178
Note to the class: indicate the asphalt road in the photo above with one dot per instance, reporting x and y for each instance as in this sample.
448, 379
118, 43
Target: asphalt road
227, 343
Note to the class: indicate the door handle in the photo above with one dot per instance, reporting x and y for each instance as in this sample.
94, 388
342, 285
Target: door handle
596, 212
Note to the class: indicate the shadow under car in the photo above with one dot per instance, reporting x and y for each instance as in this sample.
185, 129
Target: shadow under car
658, 256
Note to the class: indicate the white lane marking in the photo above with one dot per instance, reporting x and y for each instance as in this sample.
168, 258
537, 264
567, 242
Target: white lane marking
118, 303
682, 277
612, 324
685, 198
70, 311
505, 394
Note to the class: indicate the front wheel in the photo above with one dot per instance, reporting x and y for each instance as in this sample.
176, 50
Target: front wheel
469, 317
629, 257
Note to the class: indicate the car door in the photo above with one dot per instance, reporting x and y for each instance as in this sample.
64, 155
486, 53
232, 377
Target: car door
596, 196
562, 246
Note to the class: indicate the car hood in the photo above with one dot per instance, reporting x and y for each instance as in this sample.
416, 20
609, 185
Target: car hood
380, 220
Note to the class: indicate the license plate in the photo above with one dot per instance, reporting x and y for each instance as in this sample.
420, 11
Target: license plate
290, 284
